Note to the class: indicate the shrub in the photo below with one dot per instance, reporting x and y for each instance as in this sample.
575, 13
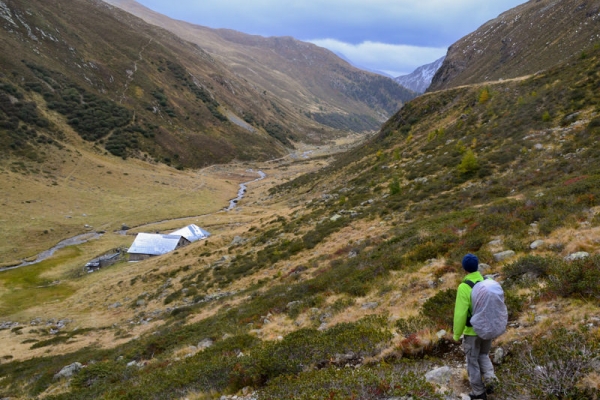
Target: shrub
553, 366
534, 266
577, 278
412, 325
440, 308
348, 383
394, 187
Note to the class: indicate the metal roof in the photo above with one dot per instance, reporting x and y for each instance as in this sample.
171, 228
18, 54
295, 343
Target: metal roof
192, 233
154, 244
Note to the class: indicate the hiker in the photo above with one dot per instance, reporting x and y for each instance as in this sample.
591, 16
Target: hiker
479, 365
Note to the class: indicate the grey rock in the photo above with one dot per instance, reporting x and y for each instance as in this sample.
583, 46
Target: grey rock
237, 240
8, 325
325, 316
440, 376
69, 371
115, 305
205, 344
483, 267
293, 304
504, 255
577, 256
497, 242
498, 356
134, 363
370, 305
537, 244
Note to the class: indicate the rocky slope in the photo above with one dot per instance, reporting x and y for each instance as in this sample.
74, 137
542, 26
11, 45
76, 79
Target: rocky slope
525, 40
420, 79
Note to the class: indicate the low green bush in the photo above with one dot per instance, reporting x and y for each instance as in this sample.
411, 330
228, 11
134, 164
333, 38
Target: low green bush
534, 266
360, 384
578, 278
414, 324
552, 367
440, 307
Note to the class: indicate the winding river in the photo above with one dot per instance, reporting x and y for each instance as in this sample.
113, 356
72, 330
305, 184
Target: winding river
243, 188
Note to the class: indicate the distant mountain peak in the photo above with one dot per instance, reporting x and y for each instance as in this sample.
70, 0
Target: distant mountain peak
420, 79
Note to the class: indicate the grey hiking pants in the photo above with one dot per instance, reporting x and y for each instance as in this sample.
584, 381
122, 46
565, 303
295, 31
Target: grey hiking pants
479, 365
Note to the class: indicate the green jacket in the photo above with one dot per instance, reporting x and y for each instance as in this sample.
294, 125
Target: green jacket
463, 306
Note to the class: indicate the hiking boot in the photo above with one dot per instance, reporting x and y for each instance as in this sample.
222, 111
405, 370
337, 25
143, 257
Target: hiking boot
482, 396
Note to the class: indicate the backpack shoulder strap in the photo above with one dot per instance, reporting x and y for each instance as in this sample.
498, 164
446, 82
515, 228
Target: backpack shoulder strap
471, 283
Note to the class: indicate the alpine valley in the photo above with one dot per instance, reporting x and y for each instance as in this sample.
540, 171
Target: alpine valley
333, 275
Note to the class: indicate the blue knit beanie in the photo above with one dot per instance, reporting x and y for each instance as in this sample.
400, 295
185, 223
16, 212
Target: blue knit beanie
470, 263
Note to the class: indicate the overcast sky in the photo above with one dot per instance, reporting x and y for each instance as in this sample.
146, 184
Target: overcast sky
392, 36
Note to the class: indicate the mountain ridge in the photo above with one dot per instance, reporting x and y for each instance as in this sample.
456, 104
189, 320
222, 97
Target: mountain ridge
529, 38
309, 71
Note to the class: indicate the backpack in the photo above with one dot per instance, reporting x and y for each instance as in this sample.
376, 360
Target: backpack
489, 316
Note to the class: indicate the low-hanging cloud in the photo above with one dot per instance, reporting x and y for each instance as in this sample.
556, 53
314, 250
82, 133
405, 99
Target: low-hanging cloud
394, 36
393, 59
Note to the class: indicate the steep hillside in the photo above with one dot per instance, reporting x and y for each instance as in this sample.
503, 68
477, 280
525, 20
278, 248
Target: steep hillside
341, 283
420, 79
128, 87
315, 81
528, 39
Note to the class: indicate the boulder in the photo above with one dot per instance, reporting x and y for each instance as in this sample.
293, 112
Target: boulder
504, 255
205, 344
536, 245
370, 305
498, 356
577, 256
439, 376
69, 371
237, 240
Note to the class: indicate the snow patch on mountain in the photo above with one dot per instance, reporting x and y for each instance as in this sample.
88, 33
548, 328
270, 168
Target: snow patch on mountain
420, 79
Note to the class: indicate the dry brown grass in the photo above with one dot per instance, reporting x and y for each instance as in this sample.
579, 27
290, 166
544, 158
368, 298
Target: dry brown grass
134, 193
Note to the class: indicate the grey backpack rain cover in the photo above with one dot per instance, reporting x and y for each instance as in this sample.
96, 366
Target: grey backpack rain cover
490, 315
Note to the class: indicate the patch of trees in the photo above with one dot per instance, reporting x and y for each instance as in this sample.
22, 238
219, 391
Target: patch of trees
13, 109
17, 121
278, 132
90, 116
125, 139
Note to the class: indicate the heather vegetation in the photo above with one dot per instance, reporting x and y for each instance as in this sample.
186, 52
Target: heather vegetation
345, 287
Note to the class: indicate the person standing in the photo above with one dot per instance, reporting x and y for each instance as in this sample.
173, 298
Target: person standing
479, 365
